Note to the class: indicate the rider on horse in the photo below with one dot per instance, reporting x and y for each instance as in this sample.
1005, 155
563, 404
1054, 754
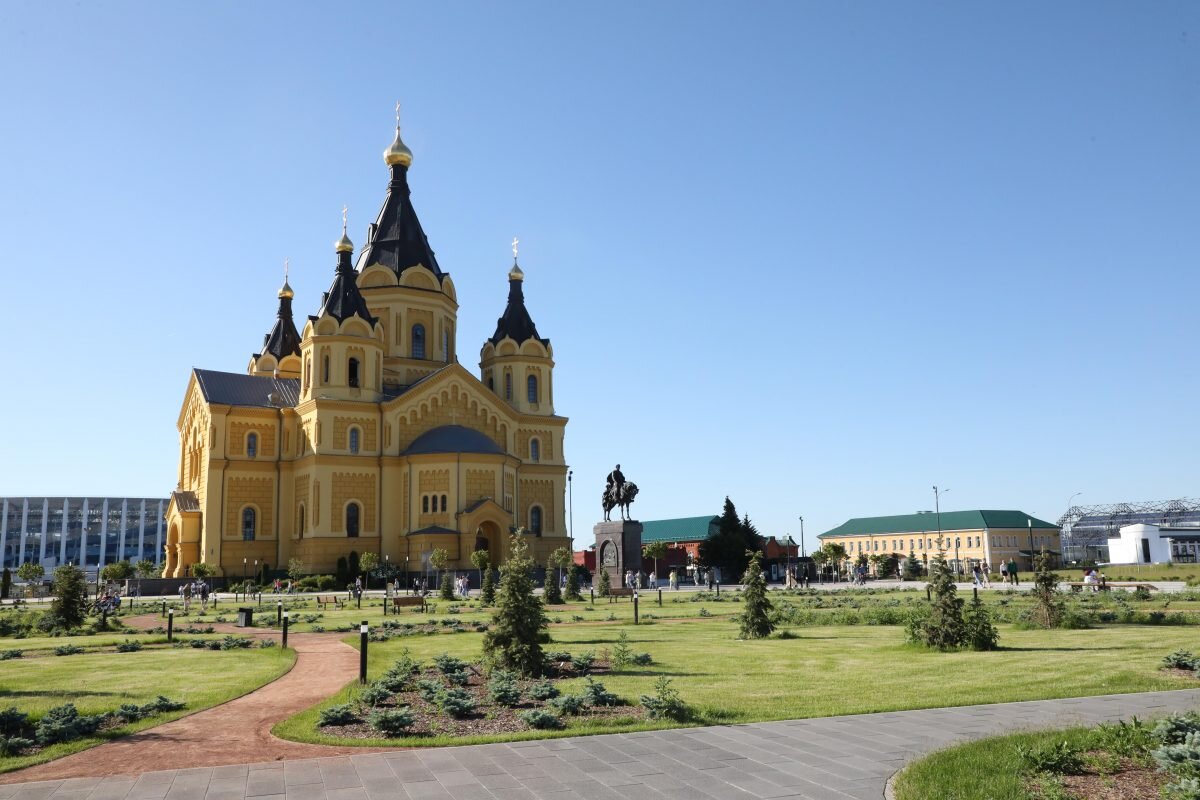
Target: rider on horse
616, 481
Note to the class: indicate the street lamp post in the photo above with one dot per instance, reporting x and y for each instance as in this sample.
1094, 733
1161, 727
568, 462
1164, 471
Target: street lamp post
243, 579
937, 493
802, 564
1068, 514
1029, 523
571, 504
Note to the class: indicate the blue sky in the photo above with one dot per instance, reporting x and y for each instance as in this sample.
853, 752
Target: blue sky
815, 256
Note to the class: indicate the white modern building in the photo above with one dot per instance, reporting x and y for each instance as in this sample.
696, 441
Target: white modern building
1143, 543
87, 531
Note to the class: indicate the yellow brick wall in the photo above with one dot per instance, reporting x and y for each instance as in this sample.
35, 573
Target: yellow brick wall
539, 493
242, 491
266, 438
481, 483
341, 426
301, 495
546, 439
358, 486
449, 410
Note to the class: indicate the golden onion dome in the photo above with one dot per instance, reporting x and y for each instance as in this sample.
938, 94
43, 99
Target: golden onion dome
344, 245
398, 152
285, 291
515, 274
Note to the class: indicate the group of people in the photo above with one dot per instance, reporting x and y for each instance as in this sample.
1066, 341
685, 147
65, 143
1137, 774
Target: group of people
1094, 579
194, 590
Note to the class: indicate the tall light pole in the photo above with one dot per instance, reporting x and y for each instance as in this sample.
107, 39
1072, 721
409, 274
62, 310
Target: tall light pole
937, 493
571, 503
1068, 514
1029, 522
802, 564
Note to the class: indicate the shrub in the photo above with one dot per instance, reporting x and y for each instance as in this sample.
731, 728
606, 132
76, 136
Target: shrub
597, 695
429, 690
376, 694
1186, 789
67, 650
503, 689
338, 715
1060, 758
1141, 593
447, 663
129, 646
1131, 739
665, 702
569, 703
1181, 760
978, 631
519, 626
543, 690
456, 702
234, 643
64, 724
1174, 728
162, 705
12, 745
265, 644
128, 712
622, 654
755, 619
542, 720
12, 721
392, 723
641, 660
1181, 659
583, 662
5, 655
459, 678
69, 606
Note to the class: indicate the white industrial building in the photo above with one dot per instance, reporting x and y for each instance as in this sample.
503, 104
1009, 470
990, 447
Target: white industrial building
1143, 543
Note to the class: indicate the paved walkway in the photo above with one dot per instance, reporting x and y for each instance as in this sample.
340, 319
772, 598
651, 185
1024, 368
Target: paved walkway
833, 758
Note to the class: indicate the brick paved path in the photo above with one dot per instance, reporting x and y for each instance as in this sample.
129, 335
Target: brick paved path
833, 758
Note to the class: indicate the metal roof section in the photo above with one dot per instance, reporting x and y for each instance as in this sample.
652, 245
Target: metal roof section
396, 239
251, 391
453, 439
682, 529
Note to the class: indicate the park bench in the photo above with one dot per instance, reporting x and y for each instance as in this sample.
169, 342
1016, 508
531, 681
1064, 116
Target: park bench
613, 594
409, 601
324, 601
1077, 586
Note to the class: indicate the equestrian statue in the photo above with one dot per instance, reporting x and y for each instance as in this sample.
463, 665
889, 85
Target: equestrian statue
618, 492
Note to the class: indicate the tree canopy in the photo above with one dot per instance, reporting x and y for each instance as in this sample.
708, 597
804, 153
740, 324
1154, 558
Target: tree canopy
728, 547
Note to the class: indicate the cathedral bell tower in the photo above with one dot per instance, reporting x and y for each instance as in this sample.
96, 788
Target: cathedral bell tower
280, 355
342, 347
517, 364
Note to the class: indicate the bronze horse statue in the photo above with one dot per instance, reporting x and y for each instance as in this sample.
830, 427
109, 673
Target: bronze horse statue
610, 501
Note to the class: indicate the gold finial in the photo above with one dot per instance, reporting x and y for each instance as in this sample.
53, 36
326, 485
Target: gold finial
515, 273
344, 245
285, 290
398, 153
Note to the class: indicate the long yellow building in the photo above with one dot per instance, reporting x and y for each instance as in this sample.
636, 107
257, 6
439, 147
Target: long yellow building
987, 538
361, 431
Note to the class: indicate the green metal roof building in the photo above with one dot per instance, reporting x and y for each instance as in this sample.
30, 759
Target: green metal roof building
949, 521
683, 529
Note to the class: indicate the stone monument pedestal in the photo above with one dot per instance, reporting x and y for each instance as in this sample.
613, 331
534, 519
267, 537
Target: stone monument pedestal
618, 549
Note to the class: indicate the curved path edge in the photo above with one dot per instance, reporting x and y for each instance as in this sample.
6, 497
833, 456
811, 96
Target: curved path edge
828, 758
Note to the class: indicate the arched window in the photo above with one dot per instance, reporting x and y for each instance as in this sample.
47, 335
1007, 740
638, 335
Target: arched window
418, 341
444, 502
353, 438
249, 523
531, 388
535, 450
508, 386
352, 373
352, 512
300, 520
325, 370
307, 373
424, 504
252, 444
535, 520
491, 383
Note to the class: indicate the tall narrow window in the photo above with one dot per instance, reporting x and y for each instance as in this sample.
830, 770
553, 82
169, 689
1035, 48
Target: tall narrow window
352, 373
352, 520
252, 445
424, 504
535, 520
418, 341
444, 503
325, 370
446, 345
508, 386
249, 523
354, 440
300, 520
491, 383
535, 450
531, 388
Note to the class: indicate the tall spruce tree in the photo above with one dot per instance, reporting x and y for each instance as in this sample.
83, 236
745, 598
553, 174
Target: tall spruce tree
755, 619
1047, 608
69, 607
487, 587
551, 592
912, 567
979, 633
944, 628
603, 581
572, 592
514, 641
727, 547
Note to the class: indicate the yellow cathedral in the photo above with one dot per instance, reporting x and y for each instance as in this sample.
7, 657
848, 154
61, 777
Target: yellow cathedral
362, 432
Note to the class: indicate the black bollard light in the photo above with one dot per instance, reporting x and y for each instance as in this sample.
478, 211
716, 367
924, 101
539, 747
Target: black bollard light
359, 599
975, 591
929, 592
363, 631
718, 590
635, 608
279, 613
285, 627
171, 625
592, 592
660, 598
164, 611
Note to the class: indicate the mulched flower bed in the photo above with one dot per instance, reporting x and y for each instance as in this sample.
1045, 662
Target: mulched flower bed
1129, 780
489, 718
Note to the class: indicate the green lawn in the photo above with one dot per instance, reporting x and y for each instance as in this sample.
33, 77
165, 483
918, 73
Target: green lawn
826, 670
99, 682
